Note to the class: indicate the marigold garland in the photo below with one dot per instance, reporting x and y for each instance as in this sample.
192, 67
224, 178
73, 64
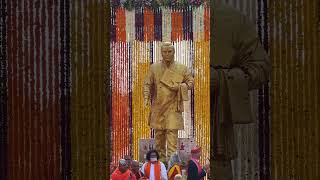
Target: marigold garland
155, 4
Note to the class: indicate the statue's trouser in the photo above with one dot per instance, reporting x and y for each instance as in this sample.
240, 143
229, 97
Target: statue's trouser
163, 136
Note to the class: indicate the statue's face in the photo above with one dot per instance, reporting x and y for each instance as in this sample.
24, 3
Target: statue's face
167, 53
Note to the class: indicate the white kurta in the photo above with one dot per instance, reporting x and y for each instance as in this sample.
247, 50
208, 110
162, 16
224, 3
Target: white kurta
163, 171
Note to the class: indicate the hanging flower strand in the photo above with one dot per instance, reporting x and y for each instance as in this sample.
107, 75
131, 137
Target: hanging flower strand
155, 4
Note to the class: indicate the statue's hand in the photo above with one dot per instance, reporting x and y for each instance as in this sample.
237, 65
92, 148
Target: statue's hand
175, 87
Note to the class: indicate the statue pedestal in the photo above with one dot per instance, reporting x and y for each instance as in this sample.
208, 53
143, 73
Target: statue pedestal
184, 148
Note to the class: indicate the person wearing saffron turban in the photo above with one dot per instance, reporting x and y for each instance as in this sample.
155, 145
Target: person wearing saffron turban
154, 169
122, 172
195, 170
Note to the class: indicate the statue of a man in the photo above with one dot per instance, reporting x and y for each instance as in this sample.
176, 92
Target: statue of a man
166, 86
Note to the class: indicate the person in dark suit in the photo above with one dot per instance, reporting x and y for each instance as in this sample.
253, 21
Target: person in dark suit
195, 170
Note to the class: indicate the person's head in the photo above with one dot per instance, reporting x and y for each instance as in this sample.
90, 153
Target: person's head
167, 52
196, 152
128, 160
123, 166
178, 177
153, 156
135, 166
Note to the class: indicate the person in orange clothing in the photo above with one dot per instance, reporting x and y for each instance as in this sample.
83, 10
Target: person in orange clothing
154, 169
122, 172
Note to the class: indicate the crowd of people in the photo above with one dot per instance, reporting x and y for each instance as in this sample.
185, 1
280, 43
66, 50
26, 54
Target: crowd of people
154, 169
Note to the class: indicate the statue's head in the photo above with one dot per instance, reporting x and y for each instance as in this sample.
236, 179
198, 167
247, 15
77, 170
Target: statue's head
167, 51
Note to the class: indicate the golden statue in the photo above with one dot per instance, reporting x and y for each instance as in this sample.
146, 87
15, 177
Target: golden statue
166, 86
